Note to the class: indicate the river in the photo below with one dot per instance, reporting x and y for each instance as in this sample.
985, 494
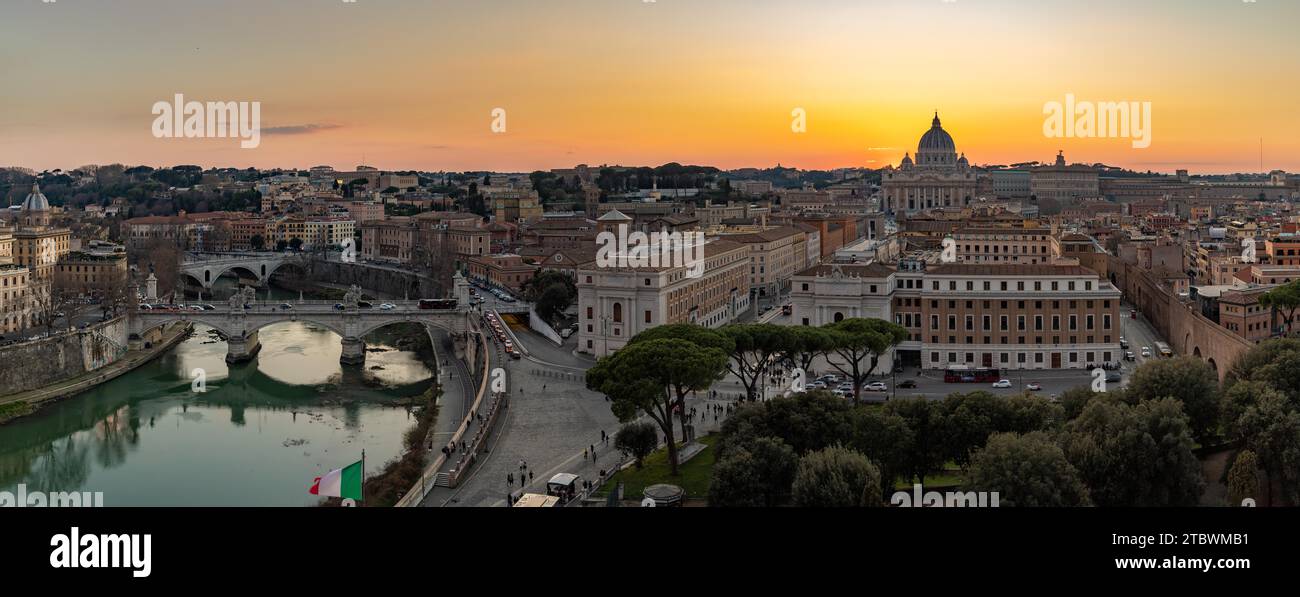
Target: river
257, 436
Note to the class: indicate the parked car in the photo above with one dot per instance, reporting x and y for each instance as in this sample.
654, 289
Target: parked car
1122, 342
1033, 387
1002, 383
876, 386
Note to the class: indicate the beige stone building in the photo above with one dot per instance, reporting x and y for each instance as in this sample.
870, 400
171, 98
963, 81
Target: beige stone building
394, 239
617, 303
775, 255
957, 315
15, 298
1004, 245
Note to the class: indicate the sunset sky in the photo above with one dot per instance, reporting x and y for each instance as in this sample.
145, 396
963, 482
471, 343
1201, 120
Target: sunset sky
411, 84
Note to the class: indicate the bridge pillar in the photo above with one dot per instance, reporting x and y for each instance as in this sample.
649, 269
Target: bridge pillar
242, 348
354, 351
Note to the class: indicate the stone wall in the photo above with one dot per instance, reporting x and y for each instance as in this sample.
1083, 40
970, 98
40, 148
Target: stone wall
1187, 331
390, 282
32, 365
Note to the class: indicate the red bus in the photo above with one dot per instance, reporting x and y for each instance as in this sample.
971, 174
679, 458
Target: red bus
971, 375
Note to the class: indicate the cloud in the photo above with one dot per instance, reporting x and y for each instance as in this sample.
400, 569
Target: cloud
300, 129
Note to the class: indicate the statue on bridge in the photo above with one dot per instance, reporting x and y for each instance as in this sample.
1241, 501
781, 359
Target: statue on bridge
242, 298
352, 296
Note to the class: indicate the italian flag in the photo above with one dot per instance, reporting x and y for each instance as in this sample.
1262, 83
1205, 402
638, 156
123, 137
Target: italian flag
341, 482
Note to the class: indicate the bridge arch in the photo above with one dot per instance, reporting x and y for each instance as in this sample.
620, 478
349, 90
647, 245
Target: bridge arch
234, 268
276, 266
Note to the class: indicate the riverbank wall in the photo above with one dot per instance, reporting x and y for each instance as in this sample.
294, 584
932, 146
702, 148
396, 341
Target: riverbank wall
385, 281
32, 365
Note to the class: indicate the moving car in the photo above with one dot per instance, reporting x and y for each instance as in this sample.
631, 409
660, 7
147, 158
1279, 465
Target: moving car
906, 384
1002, 383
1146, 352
876, 386
1033, 387
1128, 356
1113, 377
339, 307
387, 307
285, 306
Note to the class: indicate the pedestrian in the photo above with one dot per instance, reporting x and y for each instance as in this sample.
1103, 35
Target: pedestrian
593, 451
530, 475
510, 479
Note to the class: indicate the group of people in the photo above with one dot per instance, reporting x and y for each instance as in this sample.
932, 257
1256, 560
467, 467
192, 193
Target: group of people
525, 474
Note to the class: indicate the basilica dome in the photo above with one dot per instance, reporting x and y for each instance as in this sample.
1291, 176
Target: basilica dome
936, 147
36, 201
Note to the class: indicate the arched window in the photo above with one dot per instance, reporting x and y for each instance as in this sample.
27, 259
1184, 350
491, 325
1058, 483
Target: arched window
618, 312
839, 316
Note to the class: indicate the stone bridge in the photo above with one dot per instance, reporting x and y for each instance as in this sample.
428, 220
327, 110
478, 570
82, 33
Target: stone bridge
205, 268
240, 326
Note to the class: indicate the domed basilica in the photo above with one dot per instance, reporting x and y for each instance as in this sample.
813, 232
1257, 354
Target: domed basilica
938, 177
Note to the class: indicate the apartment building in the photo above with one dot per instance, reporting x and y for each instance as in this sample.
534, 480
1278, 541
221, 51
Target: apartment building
16, 312
617, 303
514, 205
394, 239
1004, 245
1283, 250
775, 255
505, 270
1004, 316
1241, 313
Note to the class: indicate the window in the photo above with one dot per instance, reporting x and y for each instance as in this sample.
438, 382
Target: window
647, 317
588, 312
618, 312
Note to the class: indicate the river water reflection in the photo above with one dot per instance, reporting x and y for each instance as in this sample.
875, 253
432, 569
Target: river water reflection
258, 435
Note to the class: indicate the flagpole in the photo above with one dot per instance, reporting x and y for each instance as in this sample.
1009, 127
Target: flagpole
363, 475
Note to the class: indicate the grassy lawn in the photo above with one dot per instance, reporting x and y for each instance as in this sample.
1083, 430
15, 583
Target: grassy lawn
949, 476
693, 476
